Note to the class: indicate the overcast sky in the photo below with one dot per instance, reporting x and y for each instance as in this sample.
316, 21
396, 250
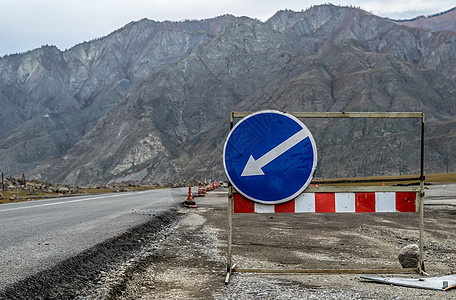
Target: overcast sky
29, 24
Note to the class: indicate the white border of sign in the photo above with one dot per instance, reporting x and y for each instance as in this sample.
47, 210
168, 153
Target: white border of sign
314, 163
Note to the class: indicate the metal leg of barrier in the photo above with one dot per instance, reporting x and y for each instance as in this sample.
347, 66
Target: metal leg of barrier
229, 273
229, 266
421, 257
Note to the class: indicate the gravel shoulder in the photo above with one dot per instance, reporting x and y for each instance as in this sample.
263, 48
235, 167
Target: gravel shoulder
190, 262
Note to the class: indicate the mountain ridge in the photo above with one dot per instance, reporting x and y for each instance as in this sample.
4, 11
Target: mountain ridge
438, 22
134, 114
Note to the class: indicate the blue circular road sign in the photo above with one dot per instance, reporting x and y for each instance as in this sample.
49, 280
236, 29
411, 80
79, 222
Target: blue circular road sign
270, 157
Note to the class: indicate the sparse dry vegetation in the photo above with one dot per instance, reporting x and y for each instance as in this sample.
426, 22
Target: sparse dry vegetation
22, 194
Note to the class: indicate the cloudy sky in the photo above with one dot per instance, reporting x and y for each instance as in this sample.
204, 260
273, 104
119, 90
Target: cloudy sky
29, 24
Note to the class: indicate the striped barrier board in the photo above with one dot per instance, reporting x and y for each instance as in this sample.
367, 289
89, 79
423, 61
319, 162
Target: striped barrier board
370, 202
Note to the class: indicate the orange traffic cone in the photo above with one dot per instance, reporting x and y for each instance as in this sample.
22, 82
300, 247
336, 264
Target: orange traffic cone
200, 191
189, 195
189, 202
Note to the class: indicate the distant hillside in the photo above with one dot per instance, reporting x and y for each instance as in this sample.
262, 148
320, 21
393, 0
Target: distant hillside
438, 22
151, 101
51, 99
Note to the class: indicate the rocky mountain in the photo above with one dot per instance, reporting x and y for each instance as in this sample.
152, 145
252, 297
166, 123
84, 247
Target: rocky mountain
438, 22
51, 99
151, 101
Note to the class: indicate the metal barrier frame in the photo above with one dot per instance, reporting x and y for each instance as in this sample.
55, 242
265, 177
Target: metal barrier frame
231, 268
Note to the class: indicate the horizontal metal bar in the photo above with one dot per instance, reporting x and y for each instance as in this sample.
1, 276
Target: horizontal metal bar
336, 181
331, 271
419, 115
357, 189
361, 189
358, 115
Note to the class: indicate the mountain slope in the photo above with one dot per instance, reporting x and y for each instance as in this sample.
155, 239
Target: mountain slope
323, 26
186, 99
83, 83
346, 77
439, 22
150, 102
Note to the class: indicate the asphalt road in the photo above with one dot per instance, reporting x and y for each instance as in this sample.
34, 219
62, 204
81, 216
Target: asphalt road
39, 234
440, 196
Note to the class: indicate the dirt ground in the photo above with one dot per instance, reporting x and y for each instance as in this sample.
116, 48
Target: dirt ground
190, 260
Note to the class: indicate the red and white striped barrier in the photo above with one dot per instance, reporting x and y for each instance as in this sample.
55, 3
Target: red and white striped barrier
334, 203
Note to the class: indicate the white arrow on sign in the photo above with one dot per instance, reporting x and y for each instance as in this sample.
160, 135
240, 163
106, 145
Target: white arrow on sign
253, 166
